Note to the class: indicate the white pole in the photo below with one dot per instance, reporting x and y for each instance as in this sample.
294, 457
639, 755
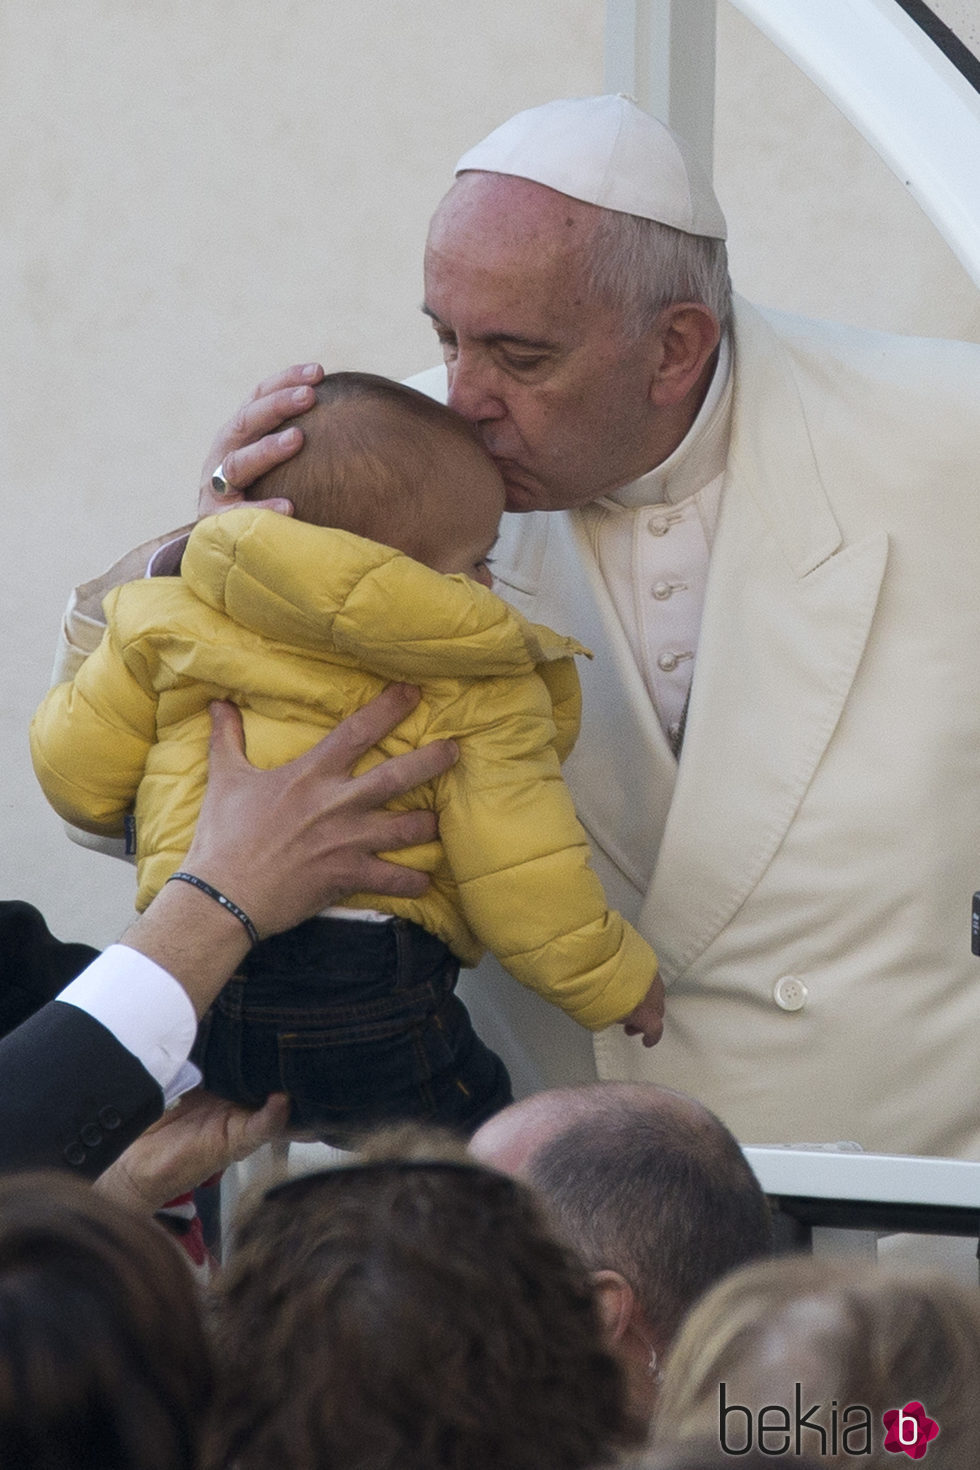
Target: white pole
662, 53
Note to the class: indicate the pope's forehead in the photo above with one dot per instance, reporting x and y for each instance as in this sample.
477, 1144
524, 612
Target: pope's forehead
510, 209
510, 255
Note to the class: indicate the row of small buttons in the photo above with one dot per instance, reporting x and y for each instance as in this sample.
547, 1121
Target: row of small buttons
89, 1137
662, 591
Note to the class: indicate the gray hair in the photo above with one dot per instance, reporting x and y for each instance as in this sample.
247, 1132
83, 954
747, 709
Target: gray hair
659, 1192
643, 266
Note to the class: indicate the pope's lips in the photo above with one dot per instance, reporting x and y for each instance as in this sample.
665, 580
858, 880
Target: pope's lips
519, 500
510, 469
520, 489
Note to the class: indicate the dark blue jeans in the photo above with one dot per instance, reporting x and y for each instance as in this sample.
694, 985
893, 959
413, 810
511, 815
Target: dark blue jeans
359, 1023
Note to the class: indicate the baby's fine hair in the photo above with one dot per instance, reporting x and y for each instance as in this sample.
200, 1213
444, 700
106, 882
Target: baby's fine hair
366, 462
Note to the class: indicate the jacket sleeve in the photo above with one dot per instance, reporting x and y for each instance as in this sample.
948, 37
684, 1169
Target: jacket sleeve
71, 1095
520, 858
83, 623
90, 739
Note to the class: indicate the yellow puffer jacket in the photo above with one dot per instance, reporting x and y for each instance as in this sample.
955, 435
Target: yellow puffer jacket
299, 626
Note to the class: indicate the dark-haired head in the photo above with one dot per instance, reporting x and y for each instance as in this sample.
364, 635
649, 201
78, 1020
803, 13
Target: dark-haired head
104, 1364
415, 1314
641, 1179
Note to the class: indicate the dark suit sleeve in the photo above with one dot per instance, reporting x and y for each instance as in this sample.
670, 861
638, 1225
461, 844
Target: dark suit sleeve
34, 966
71, 1095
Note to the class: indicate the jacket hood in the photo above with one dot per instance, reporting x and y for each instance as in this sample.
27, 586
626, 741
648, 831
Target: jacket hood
332, 592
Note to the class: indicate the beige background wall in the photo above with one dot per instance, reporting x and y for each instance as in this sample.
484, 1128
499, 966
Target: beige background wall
192, 196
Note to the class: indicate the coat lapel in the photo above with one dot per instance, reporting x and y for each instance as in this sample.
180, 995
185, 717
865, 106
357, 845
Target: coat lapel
787, 614
621, 772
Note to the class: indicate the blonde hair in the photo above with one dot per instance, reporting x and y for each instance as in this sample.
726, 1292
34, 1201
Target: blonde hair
848, 1335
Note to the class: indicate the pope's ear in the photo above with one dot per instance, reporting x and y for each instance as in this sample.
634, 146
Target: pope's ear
687, 335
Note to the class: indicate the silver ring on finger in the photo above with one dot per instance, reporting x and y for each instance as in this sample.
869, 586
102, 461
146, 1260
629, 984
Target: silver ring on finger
219, 482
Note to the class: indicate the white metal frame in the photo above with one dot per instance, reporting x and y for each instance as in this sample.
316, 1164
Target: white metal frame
939, 1185
892, 83
885, 1178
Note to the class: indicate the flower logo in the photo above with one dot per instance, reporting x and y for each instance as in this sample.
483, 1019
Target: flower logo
909, 1430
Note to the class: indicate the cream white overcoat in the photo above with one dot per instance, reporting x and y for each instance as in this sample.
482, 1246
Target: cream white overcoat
805, 872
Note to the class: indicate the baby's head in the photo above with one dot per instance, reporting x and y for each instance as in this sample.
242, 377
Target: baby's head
386, 462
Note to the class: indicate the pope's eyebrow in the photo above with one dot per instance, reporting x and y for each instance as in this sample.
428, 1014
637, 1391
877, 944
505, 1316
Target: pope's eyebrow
510, 339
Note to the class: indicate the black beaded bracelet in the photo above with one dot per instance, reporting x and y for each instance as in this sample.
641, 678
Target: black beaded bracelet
225, 903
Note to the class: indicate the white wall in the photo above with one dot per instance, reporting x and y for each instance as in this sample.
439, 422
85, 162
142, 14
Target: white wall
194, 195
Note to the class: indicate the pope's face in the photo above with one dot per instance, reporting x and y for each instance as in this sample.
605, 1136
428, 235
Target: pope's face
558, 392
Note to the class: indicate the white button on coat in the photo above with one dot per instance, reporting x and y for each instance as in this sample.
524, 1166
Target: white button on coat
790, 993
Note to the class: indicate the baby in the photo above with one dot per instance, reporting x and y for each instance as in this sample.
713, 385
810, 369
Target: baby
381, 575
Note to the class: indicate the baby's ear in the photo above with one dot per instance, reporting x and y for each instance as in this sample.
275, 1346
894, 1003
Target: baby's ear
277, 503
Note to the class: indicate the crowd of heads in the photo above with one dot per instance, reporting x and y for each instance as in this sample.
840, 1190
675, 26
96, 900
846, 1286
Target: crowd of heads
412, 1308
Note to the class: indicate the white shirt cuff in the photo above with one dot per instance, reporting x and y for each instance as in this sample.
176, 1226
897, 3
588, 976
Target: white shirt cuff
146, 1009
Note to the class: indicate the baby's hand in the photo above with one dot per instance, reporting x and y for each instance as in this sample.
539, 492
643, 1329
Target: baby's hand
647, 1019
